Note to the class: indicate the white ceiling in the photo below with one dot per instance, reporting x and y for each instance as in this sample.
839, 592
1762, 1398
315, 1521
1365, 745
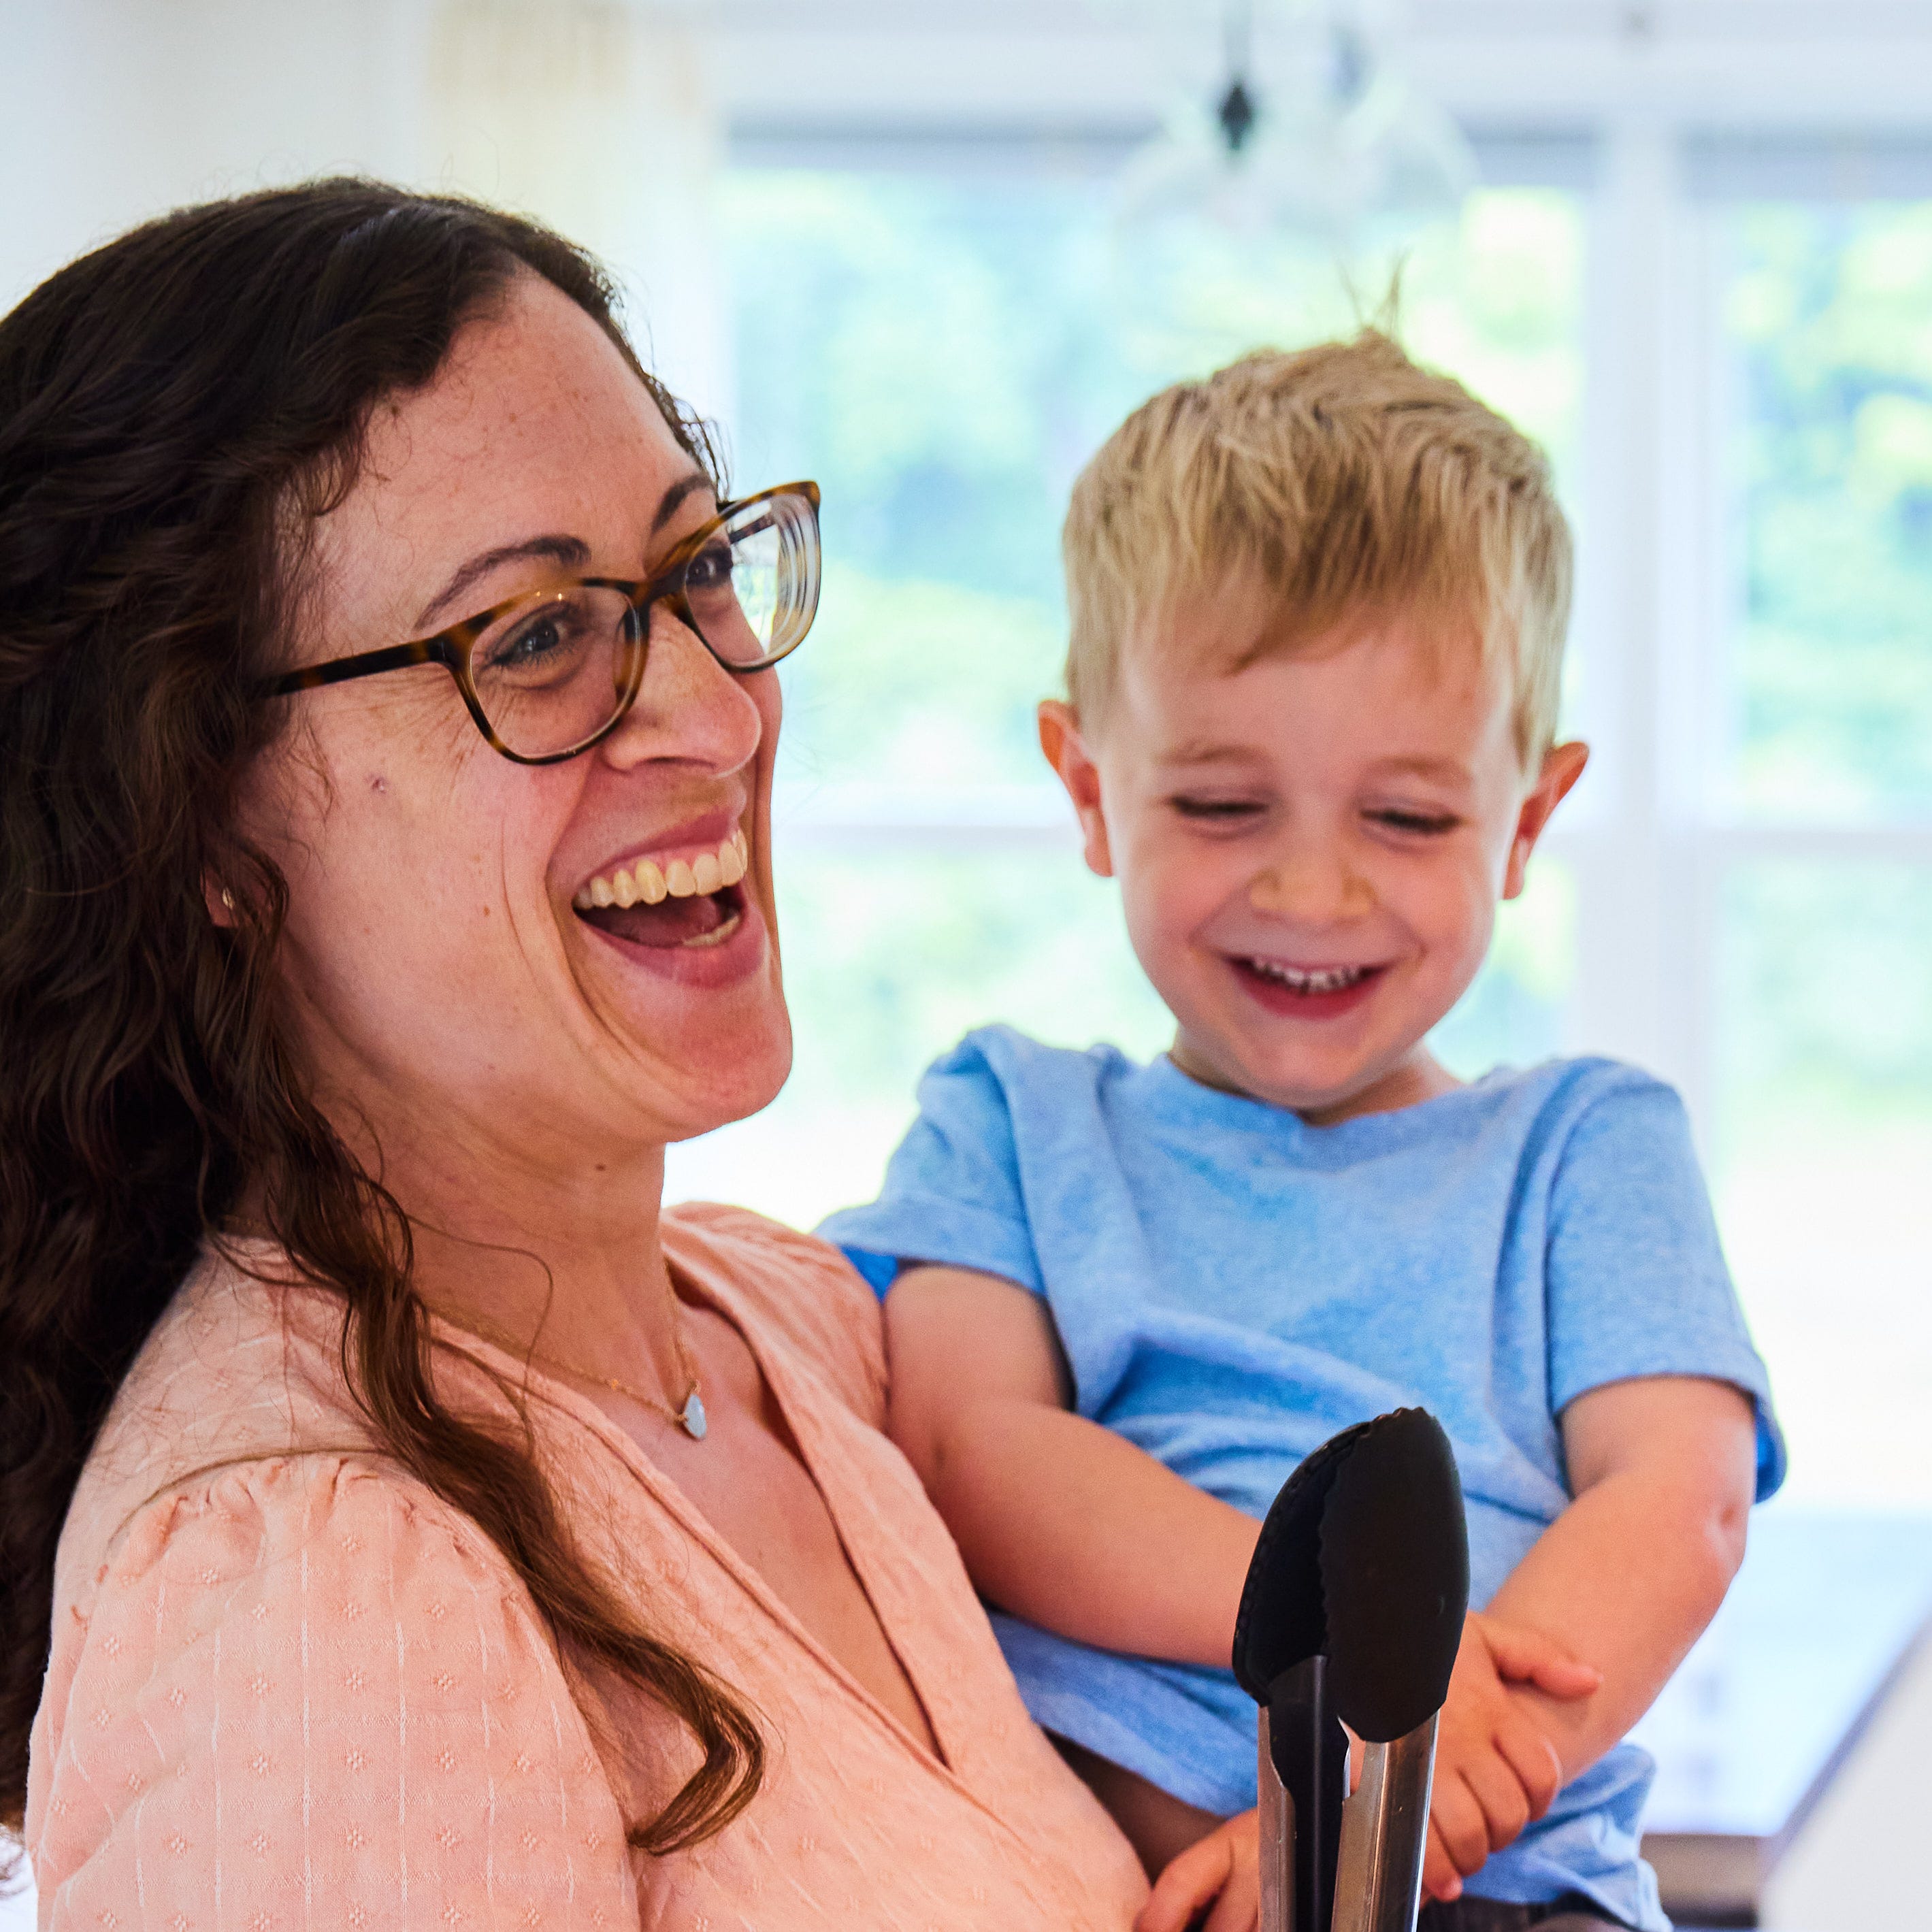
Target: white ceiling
1086, 64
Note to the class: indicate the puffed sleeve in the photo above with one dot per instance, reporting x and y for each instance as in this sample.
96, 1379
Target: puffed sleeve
953, 1192
305, 1693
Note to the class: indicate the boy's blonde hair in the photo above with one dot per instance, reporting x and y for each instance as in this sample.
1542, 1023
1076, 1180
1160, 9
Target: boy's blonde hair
1350, 481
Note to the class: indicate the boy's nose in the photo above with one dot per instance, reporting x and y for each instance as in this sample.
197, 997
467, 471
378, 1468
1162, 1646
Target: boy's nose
1313, 888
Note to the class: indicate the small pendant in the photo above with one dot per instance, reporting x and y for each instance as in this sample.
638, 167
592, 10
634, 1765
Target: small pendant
692, 1420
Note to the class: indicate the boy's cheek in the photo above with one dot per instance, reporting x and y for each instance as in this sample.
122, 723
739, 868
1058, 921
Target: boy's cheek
1453, 899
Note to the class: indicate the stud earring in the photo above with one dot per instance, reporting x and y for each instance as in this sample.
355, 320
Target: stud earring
227, 899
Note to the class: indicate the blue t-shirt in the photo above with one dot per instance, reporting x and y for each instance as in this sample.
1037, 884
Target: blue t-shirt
1232, 1286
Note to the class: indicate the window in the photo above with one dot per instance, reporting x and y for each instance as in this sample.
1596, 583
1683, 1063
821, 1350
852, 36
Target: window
943, 350
1823, 1033
1728, 350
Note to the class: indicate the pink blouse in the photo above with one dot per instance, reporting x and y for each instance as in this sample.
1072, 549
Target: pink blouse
290, 1687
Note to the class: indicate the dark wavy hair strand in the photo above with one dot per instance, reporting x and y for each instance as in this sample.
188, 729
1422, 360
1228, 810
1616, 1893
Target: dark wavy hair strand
174, 408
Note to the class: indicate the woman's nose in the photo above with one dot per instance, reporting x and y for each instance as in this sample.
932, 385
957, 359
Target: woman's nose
1314, 883
689, 708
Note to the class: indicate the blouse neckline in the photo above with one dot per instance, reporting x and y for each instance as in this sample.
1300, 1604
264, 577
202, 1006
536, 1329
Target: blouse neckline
800, 1411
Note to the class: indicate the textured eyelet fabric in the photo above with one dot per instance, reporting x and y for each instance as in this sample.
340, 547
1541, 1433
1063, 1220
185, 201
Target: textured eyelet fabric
289, 1687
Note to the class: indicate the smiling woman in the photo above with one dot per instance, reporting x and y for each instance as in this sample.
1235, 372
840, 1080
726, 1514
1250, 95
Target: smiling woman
401, 1510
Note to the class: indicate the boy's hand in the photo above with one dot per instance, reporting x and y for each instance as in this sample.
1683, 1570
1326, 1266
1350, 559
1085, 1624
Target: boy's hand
1224, 1867
1494, 1769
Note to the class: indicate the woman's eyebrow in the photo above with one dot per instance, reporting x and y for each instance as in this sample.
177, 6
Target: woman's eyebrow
570, 552
668, 506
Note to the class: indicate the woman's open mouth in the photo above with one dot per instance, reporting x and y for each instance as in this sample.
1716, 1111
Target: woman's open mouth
688, 903
706, 918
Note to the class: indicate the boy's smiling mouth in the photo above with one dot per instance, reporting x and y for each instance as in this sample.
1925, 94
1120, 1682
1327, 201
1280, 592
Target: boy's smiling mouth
1313, 992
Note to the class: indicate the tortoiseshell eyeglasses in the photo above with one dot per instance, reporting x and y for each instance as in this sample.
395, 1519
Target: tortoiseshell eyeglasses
552, 672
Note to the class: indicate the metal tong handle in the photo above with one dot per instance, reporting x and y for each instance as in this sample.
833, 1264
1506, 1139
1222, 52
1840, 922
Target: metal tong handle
1303, 1772
1277, 1829
1385, 1836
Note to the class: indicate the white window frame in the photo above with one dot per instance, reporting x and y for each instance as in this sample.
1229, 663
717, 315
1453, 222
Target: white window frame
1682, 106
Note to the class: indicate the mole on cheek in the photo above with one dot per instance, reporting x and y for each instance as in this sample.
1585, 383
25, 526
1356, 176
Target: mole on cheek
379, 783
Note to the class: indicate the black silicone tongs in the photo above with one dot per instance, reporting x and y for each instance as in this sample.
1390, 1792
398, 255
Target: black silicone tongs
1351, 1614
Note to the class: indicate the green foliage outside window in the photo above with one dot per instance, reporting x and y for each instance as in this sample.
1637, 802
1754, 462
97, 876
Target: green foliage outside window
1830, 315
944, 355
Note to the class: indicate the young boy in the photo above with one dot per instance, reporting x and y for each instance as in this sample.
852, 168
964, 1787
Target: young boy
1319, 603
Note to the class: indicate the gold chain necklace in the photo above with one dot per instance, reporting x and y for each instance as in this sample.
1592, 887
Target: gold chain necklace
690, 1417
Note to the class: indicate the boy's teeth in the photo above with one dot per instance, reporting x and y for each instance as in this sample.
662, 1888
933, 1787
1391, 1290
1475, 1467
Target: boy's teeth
646, 882
1334, 979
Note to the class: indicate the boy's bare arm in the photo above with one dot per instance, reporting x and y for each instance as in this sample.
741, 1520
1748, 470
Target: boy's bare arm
1059, 1521
1664, 1469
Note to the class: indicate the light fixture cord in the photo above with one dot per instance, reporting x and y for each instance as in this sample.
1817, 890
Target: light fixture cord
1237, 37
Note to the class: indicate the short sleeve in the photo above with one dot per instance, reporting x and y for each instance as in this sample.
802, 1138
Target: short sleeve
1636, 1280
309, 1693
953, 1192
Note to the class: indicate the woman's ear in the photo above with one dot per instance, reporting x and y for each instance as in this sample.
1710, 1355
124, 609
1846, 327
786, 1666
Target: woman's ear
219, 901
1066, 752
1562, 766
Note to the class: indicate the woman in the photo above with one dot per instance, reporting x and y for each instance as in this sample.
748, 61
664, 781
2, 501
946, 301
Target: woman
405, 1521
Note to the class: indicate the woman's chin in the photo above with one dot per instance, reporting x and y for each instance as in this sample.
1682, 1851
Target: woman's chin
737, 1078
705, 1022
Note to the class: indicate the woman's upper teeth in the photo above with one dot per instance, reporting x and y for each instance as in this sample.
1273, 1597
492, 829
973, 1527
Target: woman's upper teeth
646, 882
1311, 979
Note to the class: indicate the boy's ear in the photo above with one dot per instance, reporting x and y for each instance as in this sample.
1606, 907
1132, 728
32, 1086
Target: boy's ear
1562, 766
1066, 752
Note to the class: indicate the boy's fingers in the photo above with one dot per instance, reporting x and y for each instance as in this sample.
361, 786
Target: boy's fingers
1239, 1907
1459, 1819
1532, 1758
1191, 1879
1500, 1796
1440, 1878
1524, 1656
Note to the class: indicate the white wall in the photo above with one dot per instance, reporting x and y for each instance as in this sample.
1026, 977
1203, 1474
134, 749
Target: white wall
595, 116
1858, 1864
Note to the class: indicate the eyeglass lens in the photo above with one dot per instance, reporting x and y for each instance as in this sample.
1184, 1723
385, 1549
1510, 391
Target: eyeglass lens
552, 672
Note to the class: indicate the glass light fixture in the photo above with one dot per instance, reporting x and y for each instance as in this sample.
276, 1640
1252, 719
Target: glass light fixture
1339, 148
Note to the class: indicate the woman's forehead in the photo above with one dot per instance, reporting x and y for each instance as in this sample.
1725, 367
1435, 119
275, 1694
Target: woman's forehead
534, 427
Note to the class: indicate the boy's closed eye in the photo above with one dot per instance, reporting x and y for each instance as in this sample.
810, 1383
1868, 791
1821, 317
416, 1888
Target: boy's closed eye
1216, 811
1414, 822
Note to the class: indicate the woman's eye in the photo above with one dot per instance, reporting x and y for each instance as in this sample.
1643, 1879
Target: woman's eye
547, 638
1420, 823
530, 645
710, 569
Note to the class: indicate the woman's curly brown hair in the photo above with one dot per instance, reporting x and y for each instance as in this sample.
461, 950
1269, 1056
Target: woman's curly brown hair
174, 408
